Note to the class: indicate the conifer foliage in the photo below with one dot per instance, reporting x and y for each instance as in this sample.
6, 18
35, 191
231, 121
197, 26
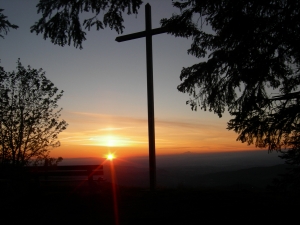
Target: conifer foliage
61, 20
250, 53
5, 25
250, 61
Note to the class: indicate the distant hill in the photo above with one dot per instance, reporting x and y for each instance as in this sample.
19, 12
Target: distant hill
242, 159
247, 168
188, 152
257, 177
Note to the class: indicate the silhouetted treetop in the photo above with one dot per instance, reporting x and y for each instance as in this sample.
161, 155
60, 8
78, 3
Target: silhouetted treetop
61, 20
29, 115
250, 50
5, 24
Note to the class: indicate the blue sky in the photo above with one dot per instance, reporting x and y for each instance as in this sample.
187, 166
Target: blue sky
105, 96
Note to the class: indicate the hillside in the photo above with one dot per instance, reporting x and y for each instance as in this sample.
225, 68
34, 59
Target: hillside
172, 177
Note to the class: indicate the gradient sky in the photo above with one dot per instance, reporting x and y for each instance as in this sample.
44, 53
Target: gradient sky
105, 96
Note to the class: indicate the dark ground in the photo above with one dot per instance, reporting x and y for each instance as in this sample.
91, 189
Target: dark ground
59, 204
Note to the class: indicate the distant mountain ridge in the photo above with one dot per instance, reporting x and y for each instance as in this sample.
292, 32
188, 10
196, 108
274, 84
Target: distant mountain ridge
245, 159
257, 177
252, 169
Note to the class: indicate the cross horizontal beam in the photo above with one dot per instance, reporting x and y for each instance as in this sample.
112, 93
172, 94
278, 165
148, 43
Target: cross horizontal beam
141, 34
148, 33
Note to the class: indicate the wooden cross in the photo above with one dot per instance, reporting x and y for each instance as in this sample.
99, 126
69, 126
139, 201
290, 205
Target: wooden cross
148, 33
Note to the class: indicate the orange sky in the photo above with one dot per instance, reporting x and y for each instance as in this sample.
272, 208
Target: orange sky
94, 135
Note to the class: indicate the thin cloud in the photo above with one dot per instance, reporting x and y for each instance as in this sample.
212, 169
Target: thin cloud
132, 131
116, 120
114, 128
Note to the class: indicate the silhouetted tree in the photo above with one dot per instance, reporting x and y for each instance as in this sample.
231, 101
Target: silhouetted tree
61, 18
5, 25
252, 50
29, 115
291, 179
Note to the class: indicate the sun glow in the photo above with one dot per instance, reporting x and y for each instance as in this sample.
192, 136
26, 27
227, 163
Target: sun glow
109, 141
110, 156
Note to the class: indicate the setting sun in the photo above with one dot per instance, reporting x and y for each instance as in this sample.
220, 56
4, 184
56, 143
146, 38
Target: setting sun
110, 156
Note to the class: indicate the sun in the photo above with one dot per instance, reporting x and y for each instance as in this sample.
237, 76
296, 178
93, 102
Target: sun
110, 156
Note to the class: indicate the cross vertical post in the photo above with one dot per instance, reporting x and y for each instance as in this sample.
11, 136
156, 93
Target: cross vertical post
150, 95
148, 33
